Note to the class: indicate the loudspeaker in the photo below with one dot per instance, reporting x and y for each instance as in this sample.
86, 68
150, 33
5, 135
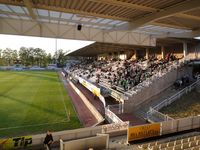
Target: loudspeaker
79, 27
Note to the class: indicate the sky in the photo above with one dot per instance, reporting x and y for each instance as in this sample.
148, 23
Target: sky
48, 44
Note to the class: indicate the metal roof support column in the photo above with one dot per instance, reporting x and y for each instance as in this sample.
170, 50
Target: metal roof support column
162, 52
147, 53
185, 50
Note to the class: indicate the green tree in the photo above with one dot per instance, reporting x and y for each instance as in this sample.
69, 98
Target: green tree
59, 56
31, 58
40, 57
44, 62
24, 56
14, 56
0, 52
1, 61
7, 56
27, 56
49, 58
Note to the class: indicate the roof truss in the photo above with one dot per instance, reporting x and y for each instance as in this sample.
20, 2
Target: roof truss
147, 14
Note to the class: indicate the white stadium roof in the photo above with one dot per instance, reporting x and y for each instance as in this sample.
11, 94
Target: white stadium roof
134, 22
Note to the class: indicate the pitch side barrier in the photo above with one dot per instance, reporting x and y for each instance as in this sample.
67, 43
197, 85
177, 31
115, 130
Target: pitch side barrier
90, 86
117, 129
93, 88
36, 141
96, 90
101, 141
111, 116
111, 112
118, 96
163, 128
89, 105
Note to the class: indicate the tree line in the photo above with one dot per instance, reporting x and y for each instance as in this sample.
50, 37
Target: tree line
31, 57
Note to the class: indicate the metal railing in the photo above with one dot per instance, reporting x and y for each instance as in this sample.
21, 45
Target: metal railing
111, 116
116, 108
154, 115
176, 96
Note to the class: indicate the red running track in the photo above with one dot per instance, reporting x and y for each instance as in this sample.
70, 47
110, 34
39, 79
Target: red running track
134, 120
96, 102
85, 116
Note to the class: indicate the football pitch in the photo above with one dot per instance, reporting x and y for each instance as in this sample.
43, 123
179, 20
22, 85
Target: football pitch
32, 102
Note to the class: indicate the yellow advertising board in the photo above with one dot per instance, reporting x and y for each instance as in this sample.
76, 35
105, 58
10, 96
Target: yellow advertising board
16, 142
95, 90
143, 131
84, 83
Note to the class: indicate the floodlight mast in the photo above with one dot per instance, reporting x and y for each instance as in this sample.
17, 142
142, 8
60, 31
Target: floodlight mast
56, 49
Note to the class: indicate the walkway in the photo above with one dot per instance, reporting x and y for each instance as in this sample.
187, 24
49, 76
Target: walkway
94, 101
155, 100
85, 116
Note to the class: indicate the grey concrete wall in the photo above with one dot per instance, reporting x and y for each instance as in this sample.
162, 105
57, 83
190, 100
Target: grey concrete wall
97, 142
182, 124
198, 88
68, 135
90, 107
156, 87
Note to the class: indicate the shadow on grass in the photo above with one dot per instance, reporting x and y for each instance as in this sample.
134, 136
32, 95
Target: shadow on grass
48, 73
38, 75
34, 106
12, 86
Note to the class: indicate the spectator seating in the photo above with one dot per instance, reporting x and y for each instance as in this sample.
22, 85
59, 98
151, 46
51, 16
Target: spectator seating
125, 76
191, 142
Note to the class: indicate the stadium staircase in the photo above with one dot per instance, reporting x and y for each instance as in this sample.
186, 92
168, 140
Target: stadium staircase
191, 142
155, 100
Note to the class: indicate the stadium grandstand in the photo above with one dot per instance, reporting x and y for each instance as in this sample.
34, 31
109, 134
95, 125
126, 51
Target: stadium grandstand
137, 86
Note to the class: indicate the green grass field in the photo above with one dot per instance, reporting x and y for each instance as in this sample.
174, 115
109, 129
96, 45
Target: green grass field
187, 105
32, 102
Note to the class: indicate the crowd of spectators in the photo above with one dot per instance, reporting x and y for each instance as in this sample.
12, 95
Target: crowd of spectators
124, 74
